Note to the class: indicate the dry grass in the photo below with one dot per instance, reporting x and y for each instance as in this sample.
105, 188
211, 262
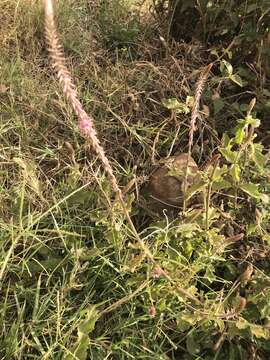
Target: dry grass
70, 268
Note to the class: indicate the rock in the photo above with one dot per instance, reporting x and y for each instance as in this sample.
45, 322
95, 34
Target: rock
166, 185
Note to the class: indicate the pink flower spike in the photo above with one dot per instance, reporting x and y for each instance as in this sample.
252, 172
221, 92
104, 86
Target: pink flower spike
85, 126
152, 311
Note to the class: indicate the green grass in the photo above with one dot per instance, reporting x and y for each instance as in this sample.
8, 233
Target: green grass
74, 284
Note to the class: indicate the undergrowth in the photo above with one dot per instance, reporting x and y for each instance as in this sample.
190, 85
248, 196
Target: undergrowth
74, 281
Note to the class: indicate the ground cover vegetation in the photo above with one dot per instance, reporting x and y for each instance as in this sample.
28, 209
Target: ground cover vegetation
159, 78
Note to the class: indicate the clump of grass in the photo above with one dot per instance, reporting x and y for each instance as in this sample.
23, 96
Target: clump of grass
86, 126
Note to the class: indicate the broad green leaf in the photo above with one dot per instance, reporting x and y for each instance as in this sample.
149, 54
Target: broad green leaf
251, 190
257, 155
87, 325
221, 185
229, 155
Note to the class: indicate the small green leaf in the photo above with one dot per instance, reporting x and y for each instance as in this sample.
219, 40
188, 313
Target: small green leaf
86, 326
259, 331
80, 351
251, 7
265, 198
226, 68
187, 229
195, 188
236, 79
229, 155
239, 134
174, 104
235, 172
29, 171
257, 155
182, 325
249, 120
251, 190
189, 101
219, 173
186, 319
90, 318
226, 141
242, 324
210, 273
251, 229
221, 185
266, 238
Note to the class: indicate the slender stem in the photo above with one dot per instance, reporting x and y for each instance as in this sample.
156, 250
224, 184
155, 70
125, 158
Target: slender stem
195, 112
209, 189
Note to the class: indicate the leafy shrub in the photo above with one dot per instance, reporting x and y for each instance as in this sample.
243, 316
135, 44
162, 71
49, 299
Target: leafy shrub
245, 22
118, 30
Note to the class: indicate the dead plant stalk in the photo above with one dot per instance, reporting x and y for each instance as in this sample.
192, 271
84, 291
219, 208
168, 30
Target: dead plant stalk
194, 115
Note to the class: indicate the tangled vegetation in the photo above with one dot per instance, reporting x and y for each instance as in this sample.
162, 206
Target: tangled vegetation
92, 266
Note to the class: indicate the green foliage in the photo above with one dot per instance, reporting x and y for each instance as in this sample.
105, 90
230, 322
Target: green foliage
86, 326
245, 22
117, 28
176, 106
